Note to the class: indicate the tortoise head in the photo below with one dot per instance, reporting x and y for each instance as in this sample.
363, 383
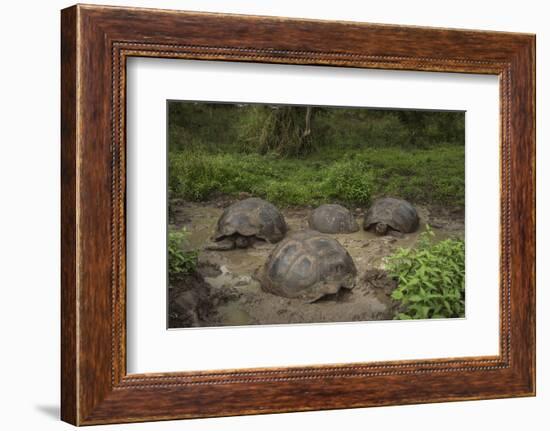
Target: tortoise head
242, 241
381, 228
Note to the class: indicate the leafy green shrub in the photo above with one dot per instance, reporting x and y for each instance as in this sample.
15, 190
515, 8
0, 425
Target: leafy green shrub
284, 193
180, 261
430, 278
350, 181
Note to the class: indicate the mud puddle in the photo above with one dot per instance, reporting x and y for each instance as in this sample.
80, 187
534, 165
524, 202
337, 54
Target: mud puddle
235, 295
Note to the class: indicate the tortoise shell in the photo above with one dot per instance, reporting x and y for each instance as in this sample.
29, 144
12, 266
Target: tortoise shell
332, 218
252, 217
308, 265
398, 214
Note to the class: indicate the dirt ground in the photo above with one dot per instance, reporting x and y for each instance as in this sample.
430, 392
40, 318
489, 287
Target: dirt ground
224, 291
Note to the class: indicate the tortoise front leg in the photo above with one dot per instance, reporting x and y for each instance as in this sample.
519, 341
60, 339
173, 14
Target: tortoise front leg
223, 245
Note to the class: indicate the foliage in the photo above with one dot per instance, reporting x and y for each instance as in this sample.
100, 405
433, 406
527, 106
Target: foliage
282, 130
180, 261
426, 127
358, 128
204, 126
353, 177
350, 182
430, 278
348, 155
430, 176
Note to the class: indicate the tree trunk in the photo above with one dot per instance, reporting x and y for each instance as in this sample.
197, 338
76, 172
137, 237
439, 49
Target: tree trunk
307, 129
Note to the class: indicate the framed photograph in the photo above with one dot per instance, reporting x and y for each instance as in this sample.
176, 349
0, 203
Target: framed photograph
264, 215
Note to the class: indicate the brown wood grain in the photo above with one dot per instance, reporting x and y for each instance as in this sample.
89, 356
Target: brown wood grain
96, 41
69, 370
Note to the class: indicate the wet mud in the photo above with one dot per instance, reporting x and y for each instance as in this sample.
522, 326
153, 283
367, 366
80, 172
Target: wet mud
224, 290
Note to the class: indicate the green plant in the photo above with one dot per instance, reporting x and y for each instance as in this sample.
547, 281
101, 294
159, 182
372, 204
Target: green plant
180, 261
350, 181
429, 176
430, 278
283, 130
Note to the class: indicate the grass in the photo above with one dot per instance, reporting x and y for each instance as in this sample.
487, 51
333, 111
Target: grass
353, 177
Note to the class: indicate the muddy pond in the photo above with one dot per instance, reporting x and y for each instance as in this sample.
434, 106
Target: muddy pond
224, 290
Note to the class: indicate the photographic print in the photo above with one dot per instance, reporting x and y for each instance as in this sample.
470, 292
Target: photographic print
272, 212
287, 214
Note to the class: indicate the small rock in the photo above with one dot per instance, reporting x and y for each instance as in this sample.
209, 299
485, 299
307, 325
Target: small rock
243, 280
208, 269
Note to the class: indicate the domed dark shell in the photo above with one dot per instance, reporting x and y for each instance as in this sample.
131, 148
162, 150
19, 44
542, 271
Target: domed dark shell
252, 217
332, 218
308, 265
398, 214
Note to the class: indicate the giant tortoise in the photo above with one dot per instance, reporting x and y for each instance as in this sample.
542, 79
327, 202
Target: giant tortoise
308, 265
391, 214
246, 221
332, 218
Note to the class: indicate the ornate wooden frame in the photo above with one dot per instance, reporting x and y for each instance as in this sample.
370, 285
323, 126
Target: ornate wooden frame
95, 42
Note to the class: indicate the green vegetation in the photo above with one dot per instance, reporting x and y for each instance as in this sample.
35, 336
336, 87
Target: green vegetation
350, 181
300, 156
180, 261
430, 278
297, 155
282, 130
423, 176
220, 127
